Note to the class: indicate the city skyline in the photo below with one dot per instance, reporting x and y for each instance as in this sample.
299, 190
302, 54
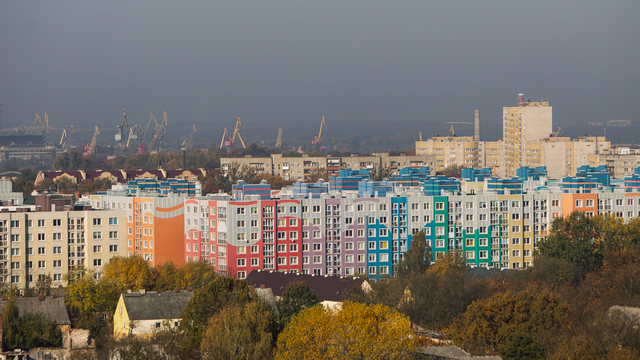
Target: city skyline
385, 69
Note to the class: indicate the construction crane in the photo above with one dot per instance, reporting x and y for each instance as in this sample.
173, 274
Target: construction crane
420, 135
316, 139
279, 139
63, 139
121, 129
187, 142
558, 132
452, 132
237, 132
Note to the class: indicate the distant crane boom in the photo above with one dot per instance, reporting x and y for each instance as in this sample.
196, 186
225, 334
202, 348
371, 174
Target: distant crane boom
237, 132
188, 141
317, 139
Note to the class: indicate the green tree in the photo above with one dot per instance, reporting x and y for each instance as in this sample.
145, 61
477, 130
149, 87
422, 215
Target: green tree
239, 331
295, 298
573, 238
10, 325
37, 330
205, 303
493, 323
65, 185
416, 259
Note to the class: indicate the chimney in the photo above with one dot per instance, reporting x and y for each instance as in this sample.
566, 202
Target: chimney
476, 133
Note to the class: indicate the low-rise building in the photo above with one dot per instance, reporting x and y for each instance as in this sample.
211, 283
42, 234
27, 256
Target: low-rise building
142, 313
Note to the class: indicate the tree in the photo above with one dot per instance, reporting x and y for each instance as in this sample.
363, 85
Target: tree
193, 274
10, 325
295, 298
239, 331
574, 238
356, 331
205, 303
65, 185
37, 330
127, 273
85, 295
493, 323
416, 259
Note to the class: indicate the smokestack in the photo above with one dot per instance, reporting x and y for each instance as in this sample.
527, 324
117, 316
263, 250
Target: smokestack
520, 99
476, 133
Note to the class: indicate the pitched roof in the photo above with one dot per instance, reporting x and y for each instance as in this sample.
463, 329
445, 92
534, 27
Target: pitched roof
156, 305
444, 352
52, 307
328, 288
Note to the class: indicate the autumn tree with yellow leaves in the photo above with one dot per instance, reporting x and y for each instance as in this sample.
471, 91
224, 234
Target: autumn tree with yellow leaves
355, 331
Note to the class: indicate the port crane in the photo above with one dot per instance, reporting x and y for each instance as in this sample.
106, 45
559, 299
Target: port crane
124, 123
225, 136
138, 131
316, 139
90, 149
237, 132
188, 141
63, 139
279, 139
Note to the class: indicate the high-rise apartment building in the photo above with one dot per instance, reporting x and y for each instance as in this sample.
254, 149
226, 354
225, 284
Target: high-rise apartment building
530, 121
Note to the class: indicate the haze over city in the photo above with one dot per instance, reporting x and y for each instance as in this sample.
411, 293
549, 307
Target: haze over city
370, 68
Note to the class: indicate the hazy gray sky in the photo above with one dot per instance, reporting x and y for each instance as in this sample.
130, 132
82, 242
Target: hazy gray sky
381, 66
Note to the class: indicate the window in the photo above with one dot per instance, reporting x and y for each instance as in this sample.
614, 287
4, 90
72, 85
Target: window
372, 257
242, 262
57, 249
41, 250
113, 234
57, 263
578, 203
57, 236
439, 206
97, 235
15, 252
15, 223
240, 211
113, 221
589, 202
97, 262
41, 223
255, 262
293, 260
97, 248
515, 253
555, 202
96, 222
113, 248
293, 248
372, 245
317, 259
15, 237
